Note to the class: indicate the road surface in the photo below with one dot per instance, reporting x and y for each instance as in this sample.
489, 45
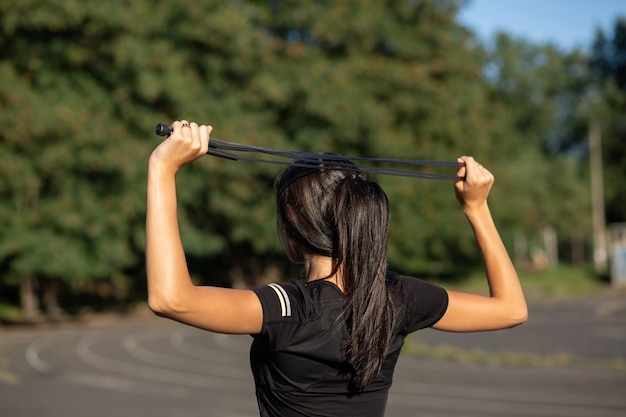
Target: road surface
147, 366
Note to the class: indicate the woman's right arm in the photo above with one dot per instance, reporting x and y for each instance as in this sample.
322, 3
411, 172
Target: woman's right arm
506, 305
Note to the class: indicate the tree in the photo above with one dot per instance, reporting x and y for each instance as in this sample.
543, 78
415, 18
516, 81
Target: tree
397, 79
66, 180
84, 83
608, 67
537, 92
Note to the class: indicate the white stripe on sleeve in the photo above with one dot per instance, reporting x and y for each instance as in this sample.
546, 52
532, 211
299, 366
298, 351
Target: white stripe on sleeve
285, 303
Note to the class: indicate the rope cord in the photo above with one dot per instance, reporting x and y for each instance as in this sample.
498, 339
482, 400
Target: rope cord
312, 160
340, 162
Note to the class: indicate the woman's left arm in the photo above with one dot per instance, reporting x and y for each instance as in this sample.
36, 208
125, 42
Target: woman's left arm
506, 305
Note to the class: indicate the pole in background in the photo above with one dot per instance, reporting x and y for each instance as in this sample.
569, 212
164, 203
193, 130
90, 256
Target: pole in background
600, 258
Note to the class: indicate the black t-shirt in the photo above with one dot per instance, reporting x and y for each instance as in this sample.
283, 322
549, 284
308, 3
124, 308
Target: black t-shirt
297, 360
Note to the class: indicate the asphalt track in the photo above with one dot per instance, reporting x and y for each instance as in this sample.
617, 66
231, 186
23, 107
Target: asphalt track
146, 366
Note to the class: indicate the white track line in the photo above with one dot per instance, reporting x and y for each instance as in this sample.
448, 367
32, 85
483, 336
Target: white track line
116, 383
132, 344
84, 351
179, 342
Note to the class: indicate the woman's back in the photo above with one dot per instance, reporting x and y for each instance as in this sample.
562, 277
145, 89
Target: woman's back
299, 361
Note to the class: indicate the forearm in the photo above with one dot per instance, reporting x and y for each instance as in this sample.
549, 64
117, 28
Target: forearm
501, 275
506, 306
166, 266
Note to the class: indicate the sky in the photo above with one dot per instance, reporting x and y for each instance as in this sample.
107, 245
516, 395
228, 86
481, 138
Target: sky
567, 23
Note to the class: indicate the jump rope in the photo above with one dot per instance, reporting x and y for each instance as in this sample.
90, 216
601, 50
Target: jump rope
311, 160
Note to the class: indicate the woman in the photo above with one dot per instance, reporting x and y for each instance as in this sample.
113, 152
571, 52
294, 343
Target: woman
326, 346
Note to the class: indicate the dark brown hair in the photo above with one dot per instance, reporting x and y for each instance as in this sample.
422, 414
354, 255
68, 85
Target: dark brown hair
332, 209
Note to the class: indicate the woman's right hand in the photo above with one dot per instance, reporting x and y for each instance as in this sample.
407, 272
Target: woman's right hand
473, 184
185, 144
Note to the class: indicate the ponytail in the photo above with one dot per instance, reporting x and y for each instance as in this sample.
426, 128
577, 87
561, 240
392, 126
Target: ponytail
362, 215
342, 214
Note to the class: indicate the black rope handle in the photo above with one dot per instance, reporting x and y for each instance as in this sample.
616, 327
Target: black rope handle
311, 159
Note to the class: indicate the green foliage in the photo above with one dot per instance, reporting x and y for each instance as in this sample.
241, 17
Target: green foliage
398, 79
65, 161
83, 83
536, 93
609, 104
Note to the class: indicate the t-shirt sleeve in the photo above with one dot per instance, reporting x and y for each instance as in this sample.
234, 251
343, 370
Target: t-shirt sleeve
423, 303
278, 302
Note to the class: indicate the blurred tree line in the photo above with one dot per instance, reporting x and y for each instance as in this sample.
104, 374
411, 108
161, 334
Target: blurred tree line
83, 83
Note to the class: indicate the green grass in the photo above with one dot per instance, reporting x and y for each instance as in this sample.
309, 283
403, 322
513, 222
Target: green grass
555, 283
512, 359
9, 313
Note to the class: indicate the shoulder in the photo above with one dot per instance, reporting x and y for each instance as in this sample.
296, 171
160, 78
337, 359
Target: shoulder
412, 288
280, 299
298, 310
295, 300
423, 303
298, 301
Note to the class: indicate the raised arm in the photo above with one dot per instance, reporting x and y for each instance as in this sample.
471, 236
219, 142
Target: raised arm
171, 292
506, 305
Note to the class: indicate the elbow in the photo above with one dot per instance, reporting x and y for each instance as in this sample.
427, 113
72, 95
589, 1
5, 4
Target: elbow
157, 306
518, 316
162, 306
168, 300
